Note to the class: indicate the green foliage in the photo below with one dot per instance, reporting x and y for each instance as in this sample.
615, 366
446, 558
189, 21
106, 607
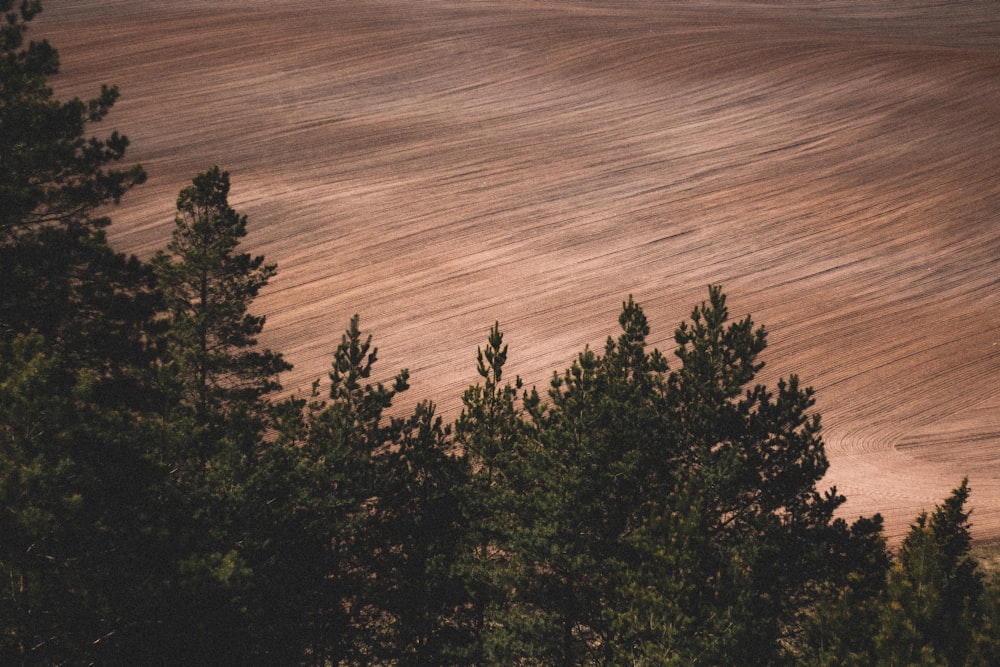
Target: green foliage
756, 457
86, 515
414, 539
156, 508
38, 494
60, 277
49, 172
677, 519
932, 611
92, 305
348, 524
495, 442
603, 427
207, 288
931, 606
849, 602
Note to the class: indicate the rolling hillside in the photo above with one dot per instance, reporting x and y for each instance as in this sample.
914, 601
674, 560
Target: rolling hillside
438, 165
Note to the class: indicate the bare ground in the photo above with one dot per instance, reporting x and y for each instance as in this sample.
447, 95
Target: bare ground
438, 165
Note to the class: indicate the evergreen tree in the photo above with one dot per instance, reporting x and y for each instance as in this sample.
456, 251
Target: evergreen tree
40, 494
756, 458
350, 524
839, 629
60, 277
681, 523
87, 503
50, 174
417, 535
665, 592
932, 611
986, 641
931, 607
346, 433
87, 521
207, 286
495, 441
605, 421
213, 383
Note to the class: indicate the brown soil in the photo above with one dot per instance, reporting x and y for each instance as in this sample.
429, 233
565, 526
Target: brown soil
438, 165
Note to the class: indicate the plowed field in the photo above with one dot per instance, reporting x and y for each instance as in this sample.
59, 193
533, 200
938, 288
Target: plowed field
437, 165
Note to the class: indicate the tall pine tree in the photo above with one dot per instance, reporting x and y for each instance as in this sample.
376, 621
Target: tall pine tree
932, 612
682, 522
207, 286
60, 278
496, 441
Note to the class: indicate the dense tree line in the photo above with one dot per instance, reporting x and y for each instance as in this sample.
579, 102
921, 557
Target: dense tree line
159, 506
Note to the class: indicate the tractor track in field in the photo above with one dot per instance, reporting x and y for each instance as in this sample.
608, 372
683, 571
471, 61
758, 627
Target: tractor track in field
436, 166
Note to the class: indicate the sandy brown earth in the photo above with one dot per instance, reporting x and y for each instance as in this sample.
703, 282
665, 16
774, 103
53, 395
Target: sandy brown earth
437, 165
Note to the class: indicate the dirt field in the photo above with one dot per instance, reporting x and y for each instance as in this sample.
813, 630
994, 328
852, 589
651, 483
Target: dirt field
436, 166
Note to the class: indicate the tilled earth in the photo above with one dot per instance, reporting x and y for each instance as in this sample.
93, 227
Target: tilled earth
439, 165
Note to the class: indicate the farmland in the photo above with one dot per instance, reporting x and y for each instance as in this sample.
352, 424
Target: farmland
436, 166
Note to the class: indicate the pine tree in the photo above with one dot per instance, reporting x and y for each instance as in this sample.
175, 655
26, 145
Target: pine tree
208, 286
681, 523
495, 441
60, 278
212, 382
50, 173
417, 535
757, 457
88, 518
932, 611
604, 423
87, 505
346, 521
840, 628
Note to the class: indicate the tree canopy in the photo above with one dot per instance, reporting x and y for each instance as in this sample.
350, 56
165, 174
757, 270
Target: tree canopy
160, 503
207, 288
